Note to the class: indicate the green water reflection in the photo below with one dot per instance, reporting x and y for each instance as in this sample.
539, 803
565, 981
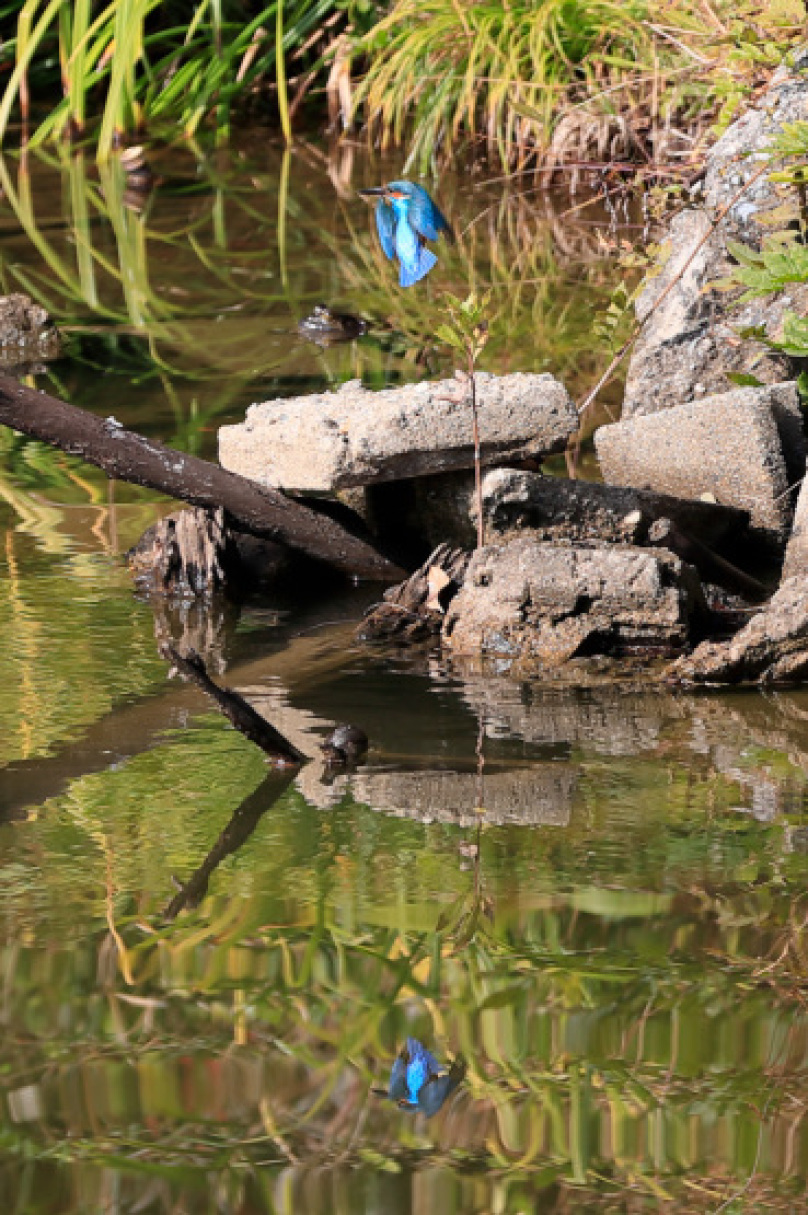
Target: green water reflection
606, 921
205, 969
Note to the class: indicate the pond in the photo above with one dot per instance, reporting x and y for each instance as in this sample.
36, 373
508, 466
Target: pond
593, 895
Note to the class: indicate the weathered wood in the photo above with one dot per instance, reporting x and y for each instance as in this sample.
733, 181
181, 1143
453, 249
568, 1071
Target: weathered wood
187, 554
236, 709
413, 611
130, 457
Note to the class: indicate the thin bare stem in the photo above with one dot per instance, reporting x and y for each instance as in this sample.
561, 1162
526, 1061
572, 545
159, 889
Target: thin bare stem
478, 480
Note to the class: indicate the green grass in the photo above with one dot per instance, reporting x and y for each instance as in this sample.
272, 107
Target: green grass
144, 65
545, 82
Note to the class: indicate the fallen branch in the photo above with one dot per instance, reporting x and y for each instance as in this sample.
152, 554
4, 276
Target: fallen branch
128, 456
236, 709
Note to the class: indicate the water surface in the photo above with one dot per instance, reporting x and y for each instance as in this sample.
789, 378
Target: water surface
595, 894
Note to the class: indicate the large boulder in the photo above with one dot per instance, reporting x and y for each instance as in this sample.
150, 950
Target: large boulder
771, 648
690, 341
335, 440
532, 602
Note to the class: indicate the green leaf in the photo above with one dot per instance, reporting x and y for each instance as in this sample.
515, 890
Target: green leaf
795, 336
445, 333
744, 379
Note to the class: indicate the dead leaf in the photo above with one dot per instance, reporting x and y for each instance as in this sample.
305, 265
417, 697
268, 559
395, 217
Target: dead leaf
437, 580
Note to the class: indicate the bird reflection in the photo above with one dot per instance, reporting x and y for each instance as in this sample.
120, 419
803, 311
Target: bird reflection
419, 1083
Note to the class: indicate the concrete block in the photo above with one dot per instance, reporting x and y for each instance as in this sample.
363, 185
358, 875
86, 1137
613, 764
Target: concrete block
554, 508
730, 446
330, 441
535, 601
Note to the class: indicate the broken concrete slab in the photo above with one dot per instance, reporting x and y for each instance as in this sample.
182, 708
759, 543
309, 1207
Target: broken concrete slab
729, 446
554, 508
690, 342
528, 601
355, 436
771, 648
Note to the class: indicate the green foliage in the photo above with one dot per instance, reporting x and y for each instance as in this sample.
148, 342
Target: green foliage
504, 74
142, 62
749, 40
466, 329
783, 258
611, 327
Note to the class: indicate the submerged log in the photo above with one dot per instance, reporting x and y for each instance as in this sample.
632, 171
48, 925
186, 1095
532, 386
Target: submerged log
130, 457
236, 709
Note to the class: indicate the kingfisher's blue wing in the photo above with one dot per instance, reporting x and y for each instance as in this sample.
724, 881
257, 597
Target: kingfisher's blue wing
425, 216
385, 226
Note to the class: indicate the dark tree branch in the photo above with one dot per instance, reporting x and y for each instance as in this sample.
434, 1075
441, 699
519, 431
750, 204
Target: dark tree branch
236, 709
130, 457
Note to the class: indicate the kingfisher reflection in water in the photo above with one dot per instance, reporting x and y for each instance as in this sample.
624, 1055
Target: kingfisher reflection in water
418, 1082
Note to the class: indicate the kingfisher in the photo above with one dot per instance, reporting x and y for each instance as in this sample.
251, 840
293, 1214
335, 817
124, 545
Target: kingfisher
419, 1082
406, 218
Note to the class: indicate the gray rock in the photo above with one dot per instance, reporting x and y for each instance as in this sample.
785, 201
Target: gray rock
27, 333
729, 446
532, 602
691, 341
554, 508
796, 558
329, 441
771, 648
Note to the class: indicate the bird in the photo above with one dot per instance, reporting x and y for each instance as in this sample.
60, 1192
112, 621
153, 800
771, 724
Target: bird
406, 218
418, 1082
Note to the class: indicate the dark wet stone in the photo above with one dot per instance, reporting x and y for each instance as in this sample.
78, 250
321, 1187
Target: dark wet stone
27, 333
324, 326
